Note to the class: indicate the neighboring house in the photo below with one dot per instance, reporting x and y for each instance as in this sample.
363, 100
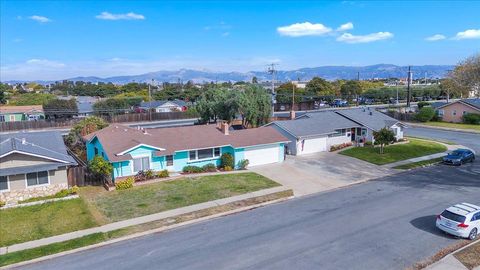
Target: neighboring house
131, 150
454, 111
318, 131
165, 105
21, 113
33, 164
84, 104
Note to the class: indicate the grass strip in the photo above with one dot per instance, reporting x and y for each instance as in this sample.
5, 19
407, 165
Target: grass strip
418, 164
470, 256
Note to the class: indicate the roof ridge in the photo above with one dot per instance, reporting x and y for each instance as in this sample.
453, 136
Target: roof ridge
35, 145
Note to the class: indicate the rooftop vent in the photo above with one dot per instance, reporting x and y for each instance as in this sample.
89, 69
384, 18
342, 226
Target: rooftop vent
370, 113
24, 141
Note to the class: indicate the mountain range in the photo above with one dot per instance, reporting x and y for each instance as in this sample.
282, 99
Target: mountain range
381, 71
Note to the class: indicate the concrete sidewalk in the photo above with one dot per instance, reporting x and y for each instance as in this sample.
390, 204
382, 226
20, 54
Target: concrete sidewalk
137, 221
449, 262
443, 128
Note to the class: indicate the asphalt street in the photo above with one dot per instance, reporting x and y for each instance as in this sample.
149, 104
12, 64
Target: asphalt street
388, 223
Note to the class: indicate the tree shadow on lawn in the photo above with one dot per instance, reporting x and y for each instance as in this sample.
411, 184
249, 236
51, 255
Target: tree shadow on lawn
427, 224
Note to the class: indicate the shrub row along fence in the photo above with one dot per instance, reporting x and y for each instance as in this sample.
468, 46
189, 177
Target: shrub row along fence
66, 123
409, 117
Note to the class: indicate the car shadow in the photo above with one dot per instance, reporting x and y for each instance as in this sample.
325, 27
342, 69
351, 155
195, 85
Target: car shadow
427, 224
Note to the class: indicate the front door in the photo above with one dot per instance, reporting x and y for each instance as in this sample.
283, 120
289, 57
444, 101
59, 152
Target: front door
353, 130
169, 162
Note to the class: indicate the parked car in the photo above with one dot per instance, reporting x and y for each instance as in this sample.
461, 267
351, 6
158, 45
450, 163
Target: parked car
339, 103
462, 220
459, 156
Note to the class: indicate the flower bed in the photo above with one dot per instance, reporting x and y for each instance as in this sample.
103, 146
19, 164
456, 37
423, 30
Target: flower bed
340, 146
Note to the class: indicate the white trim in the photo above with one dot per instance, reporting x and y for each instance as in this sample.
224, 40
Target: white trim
139, 145
39, 185
204, 159
33, 155
8, 185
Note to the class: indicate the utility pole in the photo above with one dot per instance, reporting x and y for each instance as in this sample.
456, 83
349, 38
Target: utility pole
409, 81
356, 94
273, 71
150, 101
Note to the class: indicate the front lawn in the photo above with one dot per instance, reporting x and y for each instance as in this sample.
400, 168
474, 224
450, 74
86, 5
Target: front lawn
28, 223
453, 125
157, 197
415, 148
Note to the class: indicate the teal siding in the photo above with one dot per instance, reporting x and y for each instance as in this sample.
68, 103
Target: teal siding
180, 159
281, 152
121, 169
91, 152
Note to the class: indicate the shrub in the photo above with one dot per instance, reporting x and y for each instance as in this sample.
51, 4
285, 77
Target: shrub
368, 143
149, 174
62, 193
422, 104
140, 176
99, 166
471, 118
210, 167
340, 146
163, 174
74, 189
242, 164
192, 169
227, 168
2, 203
227, 160
125, 184
425, 114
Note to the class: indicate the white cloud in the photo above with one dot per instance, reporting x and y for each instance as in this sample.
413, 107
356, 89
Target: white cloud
468, 34
303, 29
40, 19
45, 63
115, 17
435, 37
349, 38
345, 26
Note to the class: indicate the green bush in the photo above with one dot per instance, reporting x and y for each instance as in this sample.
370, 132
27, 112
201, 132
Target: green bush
62, 193
149, 174
425, 114
422, 104
125, 184
163, 174
74, 189
227, 168
471, 118
2, 203
227, 160
192, 169
210, 167
242, 164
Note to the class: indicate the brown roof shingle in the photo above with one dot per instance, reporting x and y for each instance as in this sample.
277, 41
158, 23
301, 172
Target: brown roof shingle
21, 109
117, 138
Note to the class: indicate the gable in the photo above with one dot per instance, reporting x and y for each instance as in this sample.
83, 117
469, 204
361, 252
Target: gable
18, 160
141, 149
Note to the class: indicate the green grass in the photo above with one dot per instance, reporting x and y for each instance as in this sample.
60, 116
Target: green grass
33, 253
415, 148
418, 164
29, 223
43, 198
453, 125
436, 140
158, 197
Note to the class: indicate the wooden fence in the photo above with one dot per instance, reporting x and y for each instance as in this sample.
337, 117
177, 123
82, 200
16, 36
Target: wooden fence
67, 123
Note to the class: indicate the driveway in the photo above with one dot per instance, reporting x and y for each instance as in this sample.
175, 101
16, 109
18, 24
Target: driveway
320, 172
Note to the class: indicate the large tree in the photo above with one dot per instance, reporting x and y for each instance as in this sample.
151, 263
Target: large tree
60, 108
320, 87
351, 89
466, 76
255, 106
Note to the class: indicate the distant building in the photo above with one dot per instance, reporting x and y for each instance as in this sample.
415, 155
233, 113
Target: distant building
84, 104
165, 105
454, 111
21, 113
300, 84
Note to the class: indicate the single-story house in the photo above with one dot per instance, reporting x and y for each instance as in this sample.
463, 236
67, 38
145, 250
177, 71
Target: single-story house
165, 105
131, 150
21, 113
318, 131
454, 111
33, 164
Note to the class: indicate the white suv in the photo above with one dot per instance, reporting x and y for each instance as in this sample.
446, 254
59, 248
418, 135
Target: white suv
462, 220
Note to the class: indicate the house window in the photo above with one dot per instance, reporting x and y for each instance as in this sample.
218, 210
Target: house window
2, 118
440, 112
338, 133
12, 118
3, 183
96, 151
169, 159
37, 178
204, 153
141, 164
464, 112
454, 112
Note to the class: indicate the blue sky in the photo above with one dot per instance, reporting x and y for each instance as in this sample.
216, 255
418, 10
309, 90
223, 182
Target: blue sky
56, 40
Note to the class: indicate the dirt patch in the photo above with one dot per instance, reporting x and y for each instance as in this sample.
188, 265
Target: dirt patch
470, 256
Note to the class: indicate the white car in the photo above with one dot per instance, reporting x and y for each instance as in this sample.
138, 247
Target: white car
462, 220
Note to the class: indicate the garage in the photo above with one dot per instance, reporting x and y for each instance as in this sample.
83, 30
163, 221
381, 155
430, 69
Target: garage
262, 155
309, 146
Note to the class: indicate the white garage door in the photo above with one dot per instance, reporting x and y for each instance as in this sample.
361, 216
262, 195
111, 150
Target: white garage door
312, 146
262, 155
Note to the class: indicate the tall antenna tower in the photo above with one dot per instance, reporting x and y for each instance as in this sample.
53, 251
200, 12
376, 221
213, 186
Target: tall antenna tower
271, 70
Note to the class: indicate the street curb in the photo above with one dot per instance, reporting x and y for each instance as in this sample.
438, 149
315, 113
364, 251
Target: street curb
443, 128
140, 234
446, 257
